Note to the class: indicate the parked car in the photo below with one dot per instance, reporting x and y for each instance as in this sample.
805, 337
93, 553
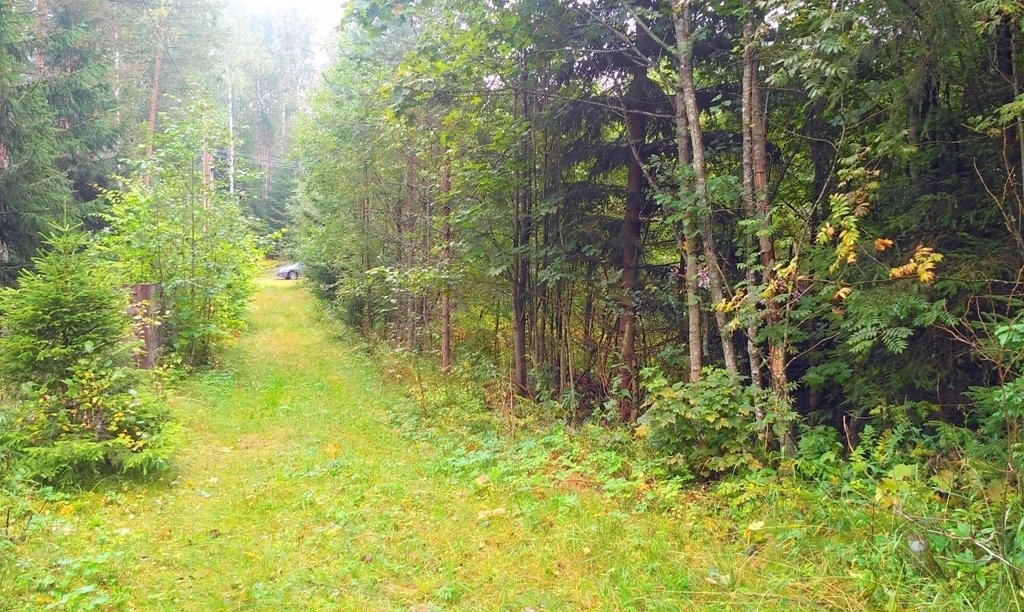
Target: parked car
291, 272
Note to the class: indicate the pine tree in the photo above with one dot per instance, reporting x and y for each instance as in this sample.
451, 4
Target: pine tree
63, 310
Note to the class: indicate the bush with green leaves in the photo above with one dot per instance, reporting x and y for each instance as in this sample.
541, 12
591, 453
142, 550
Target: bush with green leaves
81, 408
706, 428
913, 514
187, 233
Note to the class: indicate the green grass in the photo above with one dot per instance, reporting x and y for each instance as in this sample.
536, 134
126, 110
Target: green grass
292, 490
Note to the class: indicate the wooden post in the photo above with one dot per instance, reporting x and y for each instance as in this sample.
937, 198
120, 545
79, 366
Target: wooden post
144, 306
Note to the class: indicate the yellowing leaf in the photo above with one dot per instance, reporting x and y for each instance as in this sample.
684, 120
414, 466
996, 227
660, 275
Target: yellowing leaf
903, 471
842, 294
903, 271
922, 264
881, 244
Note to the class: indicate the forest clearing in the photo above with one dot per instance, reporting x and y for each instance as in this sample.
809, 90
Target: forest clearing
295, 492
576, 304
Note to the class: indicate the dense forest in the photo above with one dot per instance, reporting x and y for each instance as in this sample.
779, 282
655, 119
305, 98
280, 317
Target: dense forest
760, 258
809, 198
761, 231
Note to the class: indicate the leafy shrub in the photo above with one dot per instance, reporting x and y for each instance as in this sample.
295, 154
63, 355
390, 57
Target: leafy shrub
819, 453
912, 515
707, 427
81, 406
189, 236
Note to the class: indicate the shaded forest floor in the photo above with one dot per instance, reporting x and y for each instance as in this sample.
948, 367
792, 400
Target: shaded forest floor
294, 490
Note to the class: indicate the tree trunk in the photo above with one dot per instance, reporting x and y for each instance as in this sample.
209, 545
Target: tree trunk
520, 281
410, 250
116, 73
1015, 53
637, 123
397, 328
154, 95
759, 158
207, 162
446, 294
682, 14
521, 262
424, 341
688, 236
231, 137
40, 35
750, 205
588, 312
364, 218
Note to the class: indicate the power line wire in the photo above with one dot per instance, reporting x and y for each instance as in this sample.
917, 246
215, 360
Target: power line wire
167, 49
270, 161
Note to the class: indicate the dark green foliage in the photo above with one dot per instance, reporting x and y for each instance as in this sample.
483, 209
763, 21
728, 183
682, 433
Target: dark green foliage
65, 347
704, 428
32, 189
62, 311
81, 96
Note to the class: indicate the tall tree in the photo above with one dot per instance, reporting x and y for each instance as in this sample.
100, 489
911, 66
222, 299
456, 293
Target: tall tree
32, 189
80, 95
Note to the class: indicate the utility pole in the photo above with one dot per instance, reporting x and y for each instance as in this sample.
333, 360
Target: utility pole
231, 137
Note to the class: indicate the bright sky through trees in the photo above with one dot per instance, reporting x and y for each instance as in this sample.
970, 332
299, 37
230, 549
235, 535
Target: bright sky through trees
326, 16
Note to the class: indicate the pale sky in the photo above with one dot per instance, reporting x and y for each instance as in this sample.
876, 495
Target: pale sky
326, 15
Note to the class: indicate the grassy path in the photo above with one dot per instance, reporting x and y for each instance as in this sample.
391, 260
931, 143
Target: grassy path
293, 492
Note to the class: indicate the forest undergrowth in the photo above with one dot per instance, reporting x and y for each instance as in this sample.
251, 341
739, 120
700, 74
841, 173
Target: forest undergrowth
864, 529
316, 480
864, 532
754, 265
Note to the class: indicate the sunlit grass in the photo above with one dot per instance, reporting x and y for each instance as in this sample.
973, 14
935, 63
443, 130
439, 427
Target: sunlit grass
293, 492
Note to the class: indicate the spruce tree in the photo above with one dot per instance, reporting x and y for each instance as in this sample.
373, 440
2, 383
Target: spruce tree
80, 95
32, 189
64, 347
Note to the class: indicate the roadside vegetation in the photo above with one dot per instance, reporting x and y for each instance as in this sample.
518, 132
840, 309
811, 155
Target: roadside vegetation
123, 174
316, 480
136, 198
